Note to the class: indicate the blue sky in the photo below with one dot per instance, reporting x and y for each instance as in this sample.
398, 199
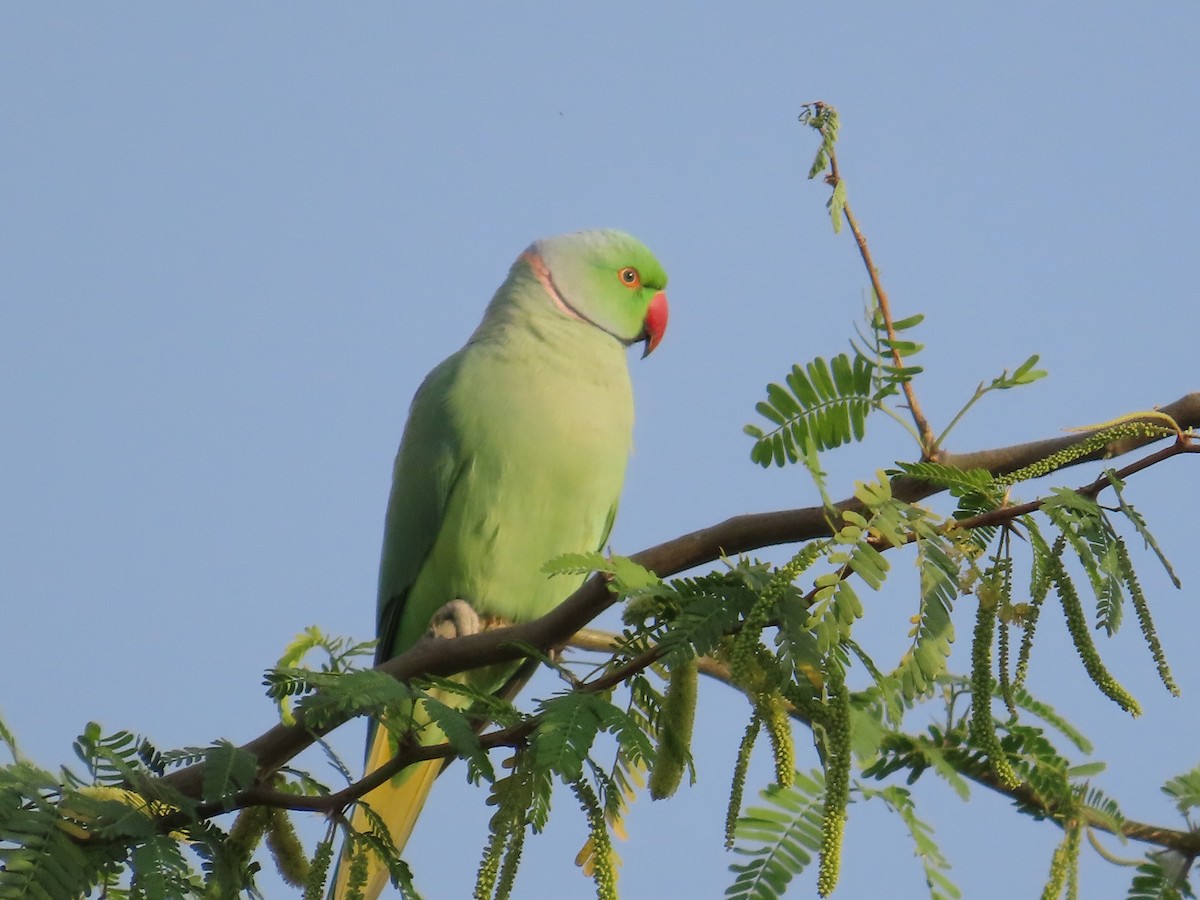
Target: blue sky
234, 238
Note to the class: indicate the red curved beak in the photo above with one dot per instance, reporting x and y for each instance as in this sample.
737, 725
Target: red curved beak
656, 322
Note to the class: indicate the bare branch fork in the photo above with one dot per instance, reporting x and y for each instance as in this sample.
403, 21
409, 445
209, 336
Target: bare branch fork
740, 534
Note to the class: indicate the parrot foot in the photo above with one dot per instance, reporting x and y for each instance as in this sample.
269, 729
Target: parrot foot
456, 619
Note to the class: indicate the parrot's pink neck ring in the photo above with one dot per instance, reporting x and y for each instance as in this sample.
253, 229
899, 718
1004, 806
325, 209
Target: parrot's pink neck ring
538, 265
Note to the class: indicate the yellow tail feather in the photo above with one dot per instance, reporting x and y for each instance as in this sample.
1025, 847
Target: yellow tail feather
398, 802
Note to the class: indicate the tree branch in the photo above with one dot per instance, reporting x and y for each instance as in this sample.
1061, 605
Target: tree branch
1184, 842
739, 534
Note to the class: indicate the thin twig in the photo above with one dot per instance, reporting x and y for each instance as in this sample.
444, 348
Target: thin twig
928, 441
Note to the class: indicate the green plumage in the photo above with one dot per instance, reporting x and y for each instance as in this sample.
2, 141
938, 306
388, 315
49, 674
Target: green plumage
514, 452
515, 446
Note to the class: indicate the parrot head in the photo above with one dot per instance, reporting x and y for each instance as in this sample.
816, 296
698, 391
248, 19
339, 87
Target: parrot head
606, 278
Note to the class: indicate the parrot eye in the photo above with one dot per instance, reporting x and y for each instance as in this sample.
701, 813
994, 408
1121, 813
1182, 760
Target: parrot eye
630, 277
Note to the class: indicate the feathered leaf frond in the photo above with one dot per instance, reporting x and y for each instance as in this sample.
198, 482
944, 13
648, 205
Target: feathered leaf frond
820, 406
778, 840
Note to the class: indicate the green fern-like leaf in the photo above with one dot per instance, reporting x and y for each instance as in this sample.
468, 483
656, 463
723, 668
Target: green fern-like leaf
227, 769
462, 735
9, 741
1094, 545
336, 697
110, 759
1139, 523
339, 650
822, 405
1102, 809
159, 869
225, 870
569, 725
1163, 876
378, 840
567, 728
778, 840
38, 855
1184, 790
708, 608
939, 760
835, 608
823, 118
628, 577
891, 375
1026, 701
933, 631
959, 482
899, 801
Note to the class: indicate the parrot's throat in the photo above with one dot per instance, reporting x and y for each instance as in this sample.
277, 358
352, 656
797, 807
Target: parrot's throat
538, 266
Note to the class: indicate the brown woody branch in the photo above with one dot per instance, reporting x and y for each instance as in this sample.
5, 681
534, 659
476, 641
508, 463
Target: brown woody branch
740, 534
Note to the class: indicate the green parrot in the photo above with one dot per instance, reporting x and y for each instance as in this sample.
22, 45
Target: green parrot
514, 452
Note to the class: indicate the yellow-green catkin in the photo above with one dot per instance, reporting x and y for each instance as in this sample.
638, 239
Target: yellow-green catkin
356, 876
1073, 842
1039, 588
318, 870
837, 783
1064, 866
773, 709
996, 588
512, 861
1003, 646
746, 643
1121, 432
286, 849
1081, 635
1142, 608
604, 870
639, 609
983, 725
740, 769
248, 829
676, 718
489, 866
